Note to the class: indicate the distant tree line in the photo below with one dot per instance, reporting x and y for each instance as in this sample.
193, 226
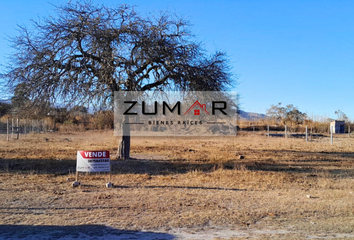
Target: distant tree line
74, 118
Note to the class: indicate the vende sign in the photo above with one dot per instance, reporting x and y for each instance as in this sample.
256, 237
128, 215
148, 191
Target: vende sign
93, 161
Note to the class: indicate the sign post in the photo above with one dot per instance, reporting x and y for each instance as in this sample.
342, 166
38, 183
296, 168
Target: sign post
92, 161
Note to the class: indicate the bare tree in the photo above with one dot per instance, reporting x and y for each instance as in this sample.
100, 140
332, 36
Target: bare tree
278, 112
341, 115
87, 52
289, 113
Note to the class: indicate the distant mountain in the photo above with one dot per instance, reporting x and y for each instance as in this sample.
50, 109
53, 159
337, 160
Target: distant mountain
251, 115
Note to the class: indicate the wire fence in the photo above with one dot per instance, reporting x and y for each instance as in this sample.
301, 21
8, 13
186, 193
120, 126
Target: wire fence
11, 128
304, 132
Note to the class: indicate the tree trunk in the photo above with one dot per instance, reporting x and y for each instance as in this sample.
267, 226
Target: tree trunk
124, 148
124, 141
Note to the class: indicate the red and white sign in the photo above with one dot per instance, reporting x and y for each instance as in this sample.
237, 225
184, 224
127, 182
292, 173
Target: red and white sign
93, 161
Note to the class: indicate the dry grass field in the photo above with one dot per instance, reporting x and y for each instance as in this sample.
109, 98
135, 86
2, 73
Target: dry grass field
246, 187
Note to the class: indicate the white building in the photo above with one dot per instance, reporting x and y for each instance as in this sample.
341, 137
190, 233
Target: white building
337, 126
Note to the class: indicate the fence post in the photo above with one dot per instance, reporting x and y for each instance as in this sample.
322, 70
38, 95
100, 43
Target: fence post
306, 135
253, 128
286, 136
331, 136
8, 129
18, 129
26, 126
349, 130
12, 128
268, 129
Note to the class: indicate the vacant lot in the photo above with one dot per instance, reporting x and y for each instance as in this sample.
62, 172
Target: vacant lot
250, 186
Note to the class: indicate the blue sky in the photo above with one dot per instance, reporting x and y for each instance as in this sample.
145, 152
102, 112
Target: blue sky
294, 52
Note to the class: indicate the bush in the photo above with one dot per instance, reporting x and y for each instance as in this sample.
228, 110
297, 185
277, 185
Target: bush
103, 120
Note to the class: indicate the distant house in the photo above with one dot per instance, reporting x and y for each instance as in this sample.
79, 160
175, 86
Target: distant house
337, 126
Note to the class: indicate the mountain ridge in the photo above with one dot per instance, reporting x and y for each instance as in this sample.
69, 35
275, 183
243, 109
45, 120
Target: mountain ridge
251, 115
